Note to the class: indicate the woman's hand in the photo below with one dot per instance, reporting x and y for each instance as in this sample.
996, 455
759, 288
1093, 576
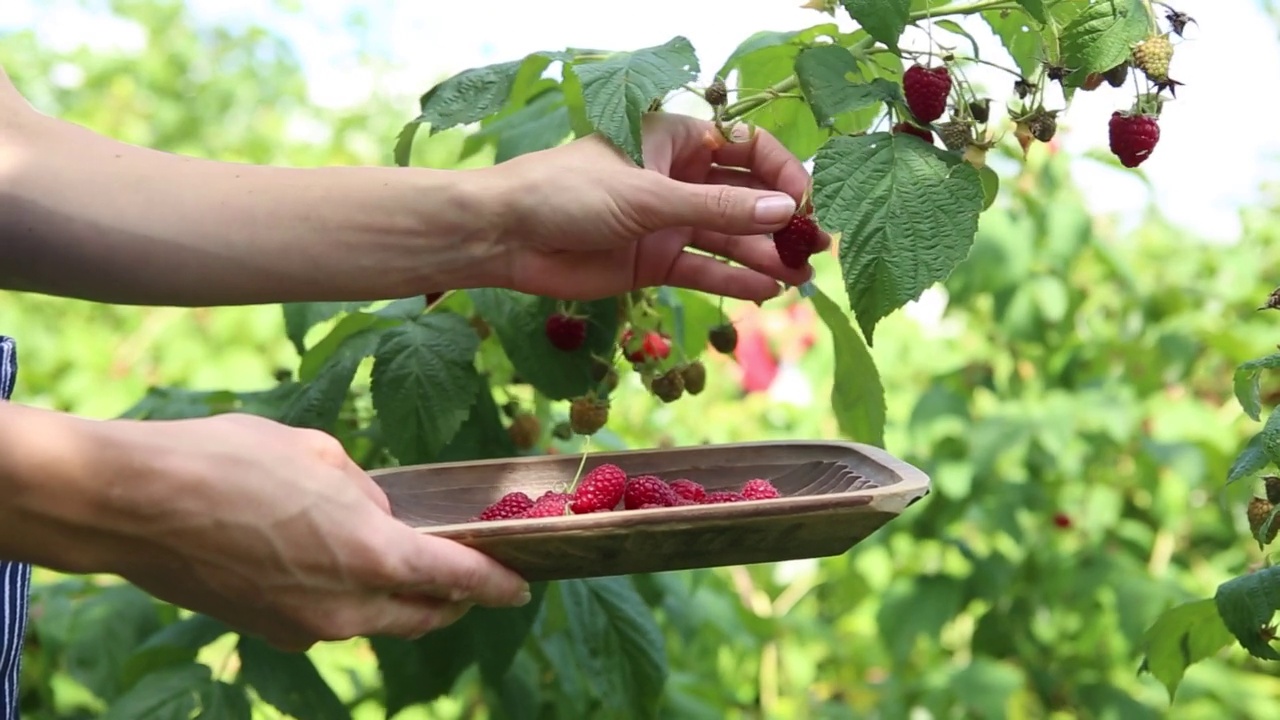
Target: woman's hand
271, 529
582, 222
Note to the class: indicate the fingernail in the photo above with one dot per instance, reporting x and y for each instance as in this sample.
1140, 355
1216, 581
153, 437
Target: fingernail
773, 209
524, 598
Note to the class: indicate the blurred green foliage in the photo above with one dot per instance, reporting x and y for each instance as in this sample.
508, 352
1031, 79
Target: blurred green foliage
1074, 373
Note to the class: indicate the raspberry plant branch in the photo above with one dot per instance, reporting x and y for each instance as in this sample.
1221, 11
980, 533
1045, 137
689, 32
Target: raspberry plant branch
792, 82
481, 373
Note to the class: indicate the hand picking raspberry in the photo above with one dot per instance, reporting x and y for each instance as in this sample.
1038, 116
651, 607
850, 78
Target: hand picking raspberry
604, 228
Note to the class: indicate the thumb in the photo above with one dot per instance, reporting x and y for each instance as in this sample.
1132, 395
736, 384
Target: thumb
720, 208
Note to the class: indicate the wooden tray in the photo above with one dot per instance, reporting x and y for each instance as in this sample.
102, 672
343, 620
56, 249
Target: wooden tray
835, 494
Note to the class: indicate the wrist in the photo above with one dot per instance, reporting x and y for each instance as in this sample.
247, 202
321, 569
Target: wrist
462, 241
57, 491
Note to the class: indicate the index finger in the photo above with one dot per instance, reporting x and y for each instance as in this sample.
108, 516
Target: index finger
441, 568
766, 158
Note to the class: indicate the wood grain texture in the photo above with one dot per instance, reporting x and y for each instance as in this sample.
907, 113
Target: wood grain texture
835, 494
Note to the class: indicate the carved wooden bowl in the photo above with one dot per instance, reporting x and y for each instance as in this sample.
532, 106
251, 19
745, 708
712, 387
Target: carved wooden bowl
834, 494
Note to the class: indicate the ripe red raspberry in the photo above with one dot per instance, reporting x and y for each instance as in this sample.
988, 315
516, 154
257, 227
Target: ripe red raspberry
648, 490
759, 489
688, 489
722, 496
1062, 520
925, 90
906, 128
1133, 137
551, 504
797, 241
511, 505
648, 506
600, 490
566, 332
653, 346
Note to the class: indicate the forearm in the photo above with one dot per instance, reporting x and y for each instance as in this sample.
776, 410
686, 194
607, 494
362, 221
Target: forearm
82, 215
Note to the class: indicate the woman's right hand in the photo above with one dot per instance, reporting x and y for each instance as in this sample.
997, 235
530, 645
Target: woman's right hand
272, 529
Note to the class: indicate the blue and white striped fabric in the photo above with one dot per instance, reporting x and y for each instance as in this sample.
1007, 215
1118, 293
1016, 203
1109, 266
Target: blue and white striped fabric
15, 578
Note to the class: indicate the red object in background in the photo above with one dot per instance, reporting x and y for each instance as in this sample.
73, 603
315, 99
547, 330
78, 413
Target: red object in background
1062, 520
759, 367
792, 330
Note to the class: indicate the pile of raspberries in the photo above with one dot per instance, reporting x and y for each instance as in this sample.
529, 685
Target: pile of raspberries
608, 488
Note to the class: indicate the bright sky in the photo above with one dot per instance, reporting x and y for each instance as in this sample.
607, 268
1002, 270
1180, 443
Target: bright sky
1206, 168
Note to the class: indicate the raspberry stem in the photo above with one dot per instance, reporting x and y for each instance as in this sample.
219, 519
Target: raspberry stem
586, 449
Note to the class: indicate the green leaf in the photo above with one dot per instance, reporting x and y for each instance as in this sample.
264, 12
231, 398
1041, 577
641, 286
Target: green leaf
1028, 44
1181, 637
766, 40
1246, 604
403, 309
857, 397
1251, 460
1035, 8
289, 682
990, 186
176, 643
618, 90
519, 319
1103, 35
540, 124
916, 607
954, 27
884, 20
907, 213
1269, 437
519, 694
410, 676
1247, 383
354, 334
301, 317
833, 83
690, 316
482, 436
223, 701
470, 96
424, 670
403, 149
424, 383
614, 635
171, 694
320, 401
104, 630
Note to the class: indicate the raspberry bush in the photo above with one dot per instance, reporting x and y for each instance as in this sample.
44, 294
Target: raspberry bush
875, 93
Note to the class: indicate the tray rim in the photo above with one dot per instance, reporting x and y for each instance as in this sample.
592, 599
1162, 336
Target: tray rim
912, 485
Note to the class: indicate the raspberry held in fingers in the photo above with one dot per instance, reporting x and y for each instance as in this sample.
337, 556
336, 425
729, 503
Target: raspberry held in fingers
797, 241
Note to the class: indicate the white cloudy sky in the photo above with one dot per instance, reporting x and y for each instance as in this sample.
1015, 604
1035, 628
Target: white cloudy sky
1206, 168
